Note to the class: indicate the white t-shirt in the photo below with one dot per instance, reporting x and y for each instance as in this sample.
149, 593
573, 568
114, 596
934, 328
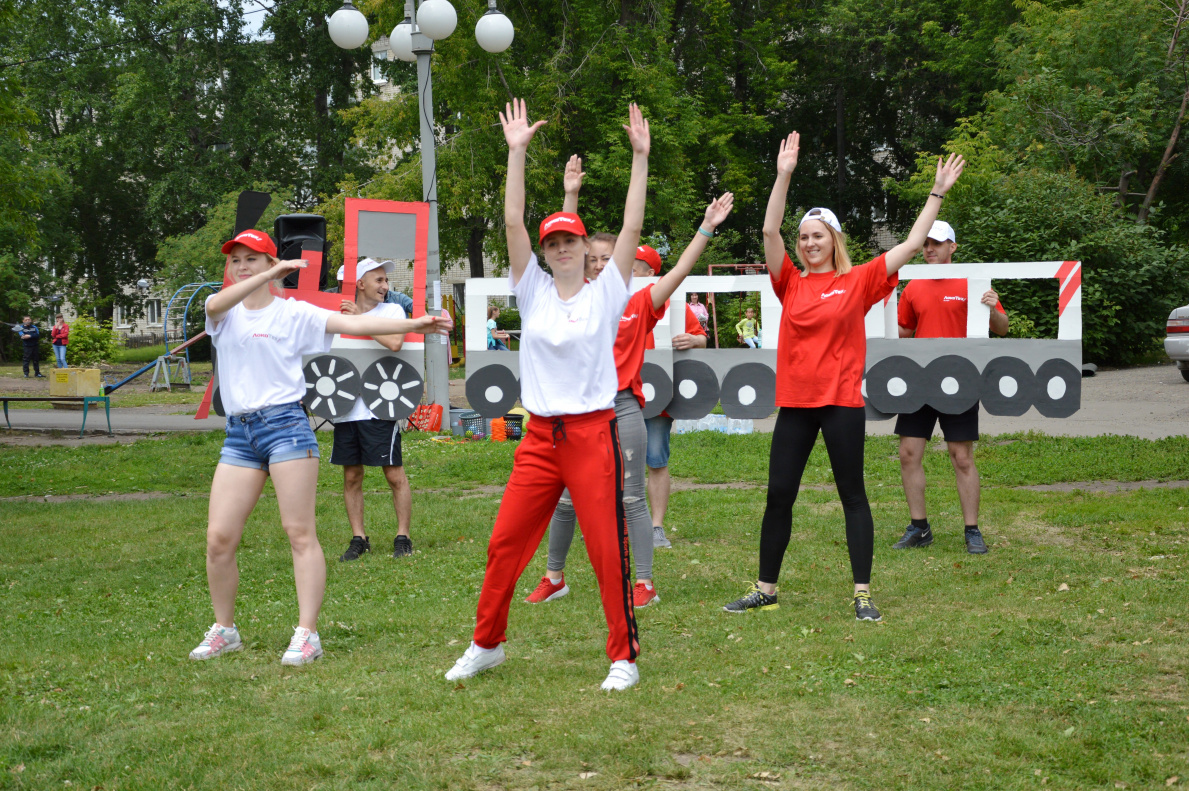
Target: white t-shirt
260, 352
567, 347
385, 310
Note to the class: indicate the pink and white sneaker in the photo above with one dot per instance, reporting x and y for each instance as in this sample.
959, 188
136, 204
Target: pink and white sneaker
218, 640
304, 648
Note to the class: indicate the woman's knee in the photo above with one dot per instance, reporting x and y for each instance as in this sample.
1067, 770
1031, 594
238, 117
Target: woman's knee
302, 535
220, 543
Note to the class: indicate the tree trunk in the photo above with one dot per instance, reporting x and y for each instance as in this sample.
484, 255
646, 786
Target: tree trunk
478, 230
1124, 184
1146, 208
840, 121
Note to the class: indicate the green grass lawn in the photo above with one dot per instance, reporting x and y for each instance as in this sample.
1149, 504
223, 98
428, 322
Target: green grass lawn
986, 673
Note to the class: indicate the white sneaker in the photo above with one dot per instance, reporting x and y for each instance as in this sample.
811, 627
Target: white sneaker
218, 640
475, 661
304, 648
622, 676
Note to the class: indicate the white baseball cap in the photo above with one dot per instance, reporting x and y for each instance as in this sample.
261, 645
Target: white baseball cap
366, 265
942, 232
342, 271
825, 215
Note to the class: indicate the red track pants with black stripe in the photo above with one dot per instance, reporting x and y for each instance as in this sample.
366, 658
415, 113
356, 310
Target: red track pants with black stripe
581, 453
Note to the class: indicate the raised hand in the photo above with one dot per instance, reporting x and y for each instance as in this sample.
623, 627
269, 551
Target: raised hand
948, 172
572, 181
786, 159
718, 210
283, 268
637, 129
517, 130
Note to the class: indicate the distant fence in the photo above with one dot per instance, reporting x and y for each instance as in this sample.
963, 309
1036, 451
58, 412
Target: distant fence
142, 340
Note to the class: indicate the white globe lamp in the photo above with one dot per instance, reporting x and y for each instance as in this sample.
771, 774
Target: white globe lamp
437, 18
348, 27
401, 41
494, 32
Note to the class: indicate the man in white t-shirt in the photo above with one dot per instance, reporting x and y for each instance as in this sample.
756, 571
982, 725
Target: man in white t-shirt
360, 438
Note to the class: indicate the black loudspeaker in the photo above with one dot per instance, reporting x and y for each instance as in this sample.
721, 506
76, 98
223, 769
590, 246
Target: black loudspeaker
292, 232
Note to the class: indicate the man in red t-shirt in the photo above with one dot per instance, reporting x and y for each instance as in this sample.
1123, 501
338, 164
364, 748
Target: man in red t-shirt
937, 309
659, 427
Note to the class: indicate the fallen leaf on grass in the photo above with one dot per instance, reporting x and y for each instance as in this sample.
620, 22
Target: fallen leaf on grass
18, 769
850, 682
453, 642
586, 775
771, 777
1063, 587
926, 720
459, 687
1069, 731
1172, 781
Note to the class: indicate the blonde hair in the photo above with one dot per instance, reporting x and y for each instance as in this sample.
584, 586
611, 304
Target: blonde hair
842, 263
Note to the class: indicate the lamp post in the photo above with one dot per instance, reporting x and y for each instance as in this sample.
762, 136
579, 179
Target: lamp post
412, 40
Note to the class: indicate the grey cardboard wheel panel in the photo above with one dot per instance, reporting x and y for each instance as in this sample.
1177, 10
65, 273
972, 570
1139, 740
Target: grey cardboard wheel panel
332, 385
1009, 387
392, 388
952, 384
657, 384
695, 390
896, 385
1058, 388
492, 391
749, 392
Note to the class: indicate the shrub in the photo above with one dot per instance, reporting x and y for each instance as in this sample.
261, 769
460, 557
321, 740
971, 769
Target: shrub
91, 343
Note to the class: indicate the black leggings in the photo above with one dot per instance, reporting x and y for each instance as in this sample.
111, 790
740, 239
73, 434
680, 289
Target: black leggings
843, 429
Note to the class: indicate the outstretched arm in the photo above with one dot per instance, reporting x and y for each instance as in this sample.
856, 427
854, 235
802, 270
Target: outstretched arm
339, 324
947, 173
227, 298
633, 210
517, 132
572, 182
786, 163
716, 212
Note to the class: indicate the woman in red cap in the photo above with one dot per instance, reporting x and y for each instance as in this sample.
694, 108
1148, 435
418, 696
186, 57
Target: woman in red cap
568, 384
261, 338
819, 371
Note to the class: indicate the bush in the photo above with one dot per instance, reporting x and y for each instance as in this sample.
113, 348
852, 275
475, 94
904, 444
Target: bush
730, 308
91, 343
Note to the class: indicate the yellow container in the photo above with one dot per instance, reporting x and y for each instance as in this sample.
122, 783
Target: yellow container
76, 382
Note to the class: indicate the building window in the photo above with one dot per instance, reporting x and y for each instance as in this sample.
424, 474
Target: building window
152, 311
378, 61
120, 317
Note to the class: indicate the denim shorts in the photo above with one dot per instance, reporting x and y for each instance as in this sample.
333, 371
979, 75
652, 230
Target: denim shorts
659, 427
268, 436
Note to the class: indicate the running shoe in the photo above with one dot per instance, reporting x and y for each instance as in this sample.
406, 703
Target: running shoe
864, 609
658, 538
356, 548
623, 675
547, 591
755, 599
218, 640
304, 648
914, 537
974, 542
402, 546
475, 661
642, 595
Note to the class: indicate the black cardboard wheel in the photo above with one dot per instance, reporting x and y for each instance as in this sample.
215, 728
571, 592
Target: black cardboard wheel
895, 386
952, 384
392, 388
492, 391
695, 390
658, 389
748, 392
332, 385
1058, 388
1009, 387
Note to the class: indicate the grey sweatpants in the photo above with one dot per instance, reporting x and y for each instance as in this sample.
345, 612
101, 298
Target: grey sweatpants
633, 441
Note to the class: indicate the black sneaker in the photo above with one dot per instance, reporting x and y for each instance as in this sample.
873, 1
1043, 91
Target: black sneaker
40, 376
864, 609
755, 599
356, 549
914, 537
402, 547
974, 542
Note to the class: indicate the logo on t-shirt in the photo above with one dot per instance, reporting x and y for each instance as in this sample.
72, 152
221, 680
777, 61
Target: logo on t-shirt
834, 292
261, 335
953, 299
626, 318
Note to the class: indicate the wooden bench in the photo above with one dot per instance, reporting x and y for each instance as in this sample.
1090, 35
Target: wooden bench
86, 401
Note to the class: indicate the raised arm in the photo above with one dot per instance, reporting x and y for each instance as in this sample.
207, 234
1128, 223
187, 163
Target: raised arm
716, 212
227, 298
633, 210
572, 183
786, 163
517, 132
341, 324
947, 173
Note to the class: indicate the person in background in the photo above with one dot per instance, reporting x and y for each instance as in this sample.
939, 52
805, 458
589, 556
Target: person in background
699, 311
937, 309
60, 335
31, 352
748, 329
393, 297
497, 339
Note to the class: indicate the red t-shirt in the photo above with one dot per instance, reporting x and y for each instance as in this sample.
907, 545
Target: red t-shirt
635, 332
935, 308
823, 340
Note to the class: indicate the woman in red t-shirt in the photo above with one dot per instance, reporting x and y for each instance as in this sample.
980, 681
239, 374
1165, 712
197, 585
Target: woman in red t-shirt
819, 370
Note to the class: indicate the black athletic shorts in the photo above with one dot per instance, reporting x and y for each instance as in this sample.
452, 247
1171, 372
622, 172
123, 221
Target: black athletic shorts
955, 428
374, 443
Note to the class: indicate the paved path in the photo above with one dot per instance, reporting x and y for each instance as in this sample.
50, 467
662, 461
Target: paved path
1150, 402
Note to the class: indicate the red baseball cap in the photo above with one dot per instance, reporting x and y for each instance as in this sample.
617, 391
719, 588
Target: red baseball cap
650, 257
561, 221
255, 240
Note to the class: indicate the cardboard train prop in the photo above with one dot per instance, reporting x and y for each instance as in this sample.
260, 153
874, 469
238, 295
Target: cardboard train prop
391, 383
902, 374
